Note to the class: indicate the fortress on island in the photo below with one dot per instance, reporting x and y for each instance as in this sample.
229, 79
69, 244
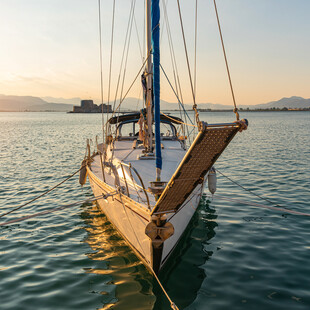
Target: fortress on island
88, 106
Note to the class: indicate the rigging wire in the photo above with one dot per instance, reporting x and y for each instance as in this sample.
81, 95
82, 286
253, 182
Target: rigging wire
123, 55
139, 99
101, 69
178, 90
127, 52
174, 62
170, 48
137, 32
195, 62
131, 18
111, 56
175, 120
226, 62
121, 101
180, 103
144, 36
162, 25
188, 66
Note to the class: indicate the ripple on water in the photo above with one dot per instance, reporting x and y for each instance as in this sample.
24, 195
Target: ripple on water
232, 256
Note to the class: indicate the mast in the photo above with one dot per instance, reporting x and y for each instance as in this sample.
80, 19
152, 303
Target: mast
149, 99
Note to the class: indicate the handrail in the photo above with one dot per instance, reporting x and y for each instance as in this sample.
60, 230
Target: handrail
125, 180
117, 178
140, 179
136, 186
100, 156
112, 167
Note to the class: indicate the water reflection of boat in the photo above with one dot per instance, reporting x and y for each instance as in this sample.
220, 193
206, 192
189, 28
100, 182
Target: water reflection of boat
127, 285
124, 280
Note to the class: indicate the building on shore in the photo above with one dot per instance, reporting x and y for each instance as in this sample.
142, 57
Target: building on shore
88, 106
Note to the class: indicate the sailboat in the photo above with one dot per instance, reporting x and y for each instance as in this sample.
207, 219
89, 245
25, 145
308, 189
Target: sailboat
148, 181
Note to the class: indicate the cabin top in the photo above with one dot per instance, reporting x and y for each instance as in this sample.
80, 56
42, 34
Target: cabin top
135, 117
127, 126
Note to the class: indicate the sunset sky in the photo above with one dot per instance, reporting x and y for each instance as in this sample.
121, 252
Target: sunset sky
51, 48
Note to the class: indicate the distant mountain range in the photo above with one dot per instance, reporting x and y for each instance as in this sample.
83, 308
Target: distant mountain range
36, 104
33, 104
72, 101
292, 102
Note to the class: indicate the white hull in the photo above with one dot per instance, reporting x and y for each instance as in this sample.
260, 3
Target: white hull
180, 222
126, 215
131, 218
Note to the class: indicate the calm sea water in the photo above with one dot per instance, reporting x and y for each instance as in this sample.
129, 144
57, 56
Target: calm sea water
233, 256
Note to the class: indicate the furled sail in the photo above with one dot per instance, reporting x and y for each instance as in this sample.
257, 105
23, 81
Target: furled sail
155, 12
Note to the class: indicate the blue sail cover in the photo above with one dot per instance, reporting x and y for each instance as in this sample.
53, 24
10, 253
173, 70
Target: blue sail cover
155, 12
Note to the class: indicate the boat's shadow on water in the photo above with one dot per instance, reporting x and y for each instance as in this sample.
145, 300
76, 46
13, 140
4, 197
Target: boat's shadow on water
121, 281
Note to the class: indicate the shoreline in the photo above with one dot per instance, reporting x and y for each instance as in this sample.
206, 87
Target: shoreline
199, 110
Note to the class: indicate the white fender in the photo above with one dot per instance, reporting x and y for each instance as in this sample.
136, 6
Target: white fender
212, 180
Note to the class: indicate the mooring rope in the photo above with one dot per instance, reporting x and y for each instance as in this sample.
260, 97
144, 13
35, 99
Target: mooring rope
78, 203
260, 205
246, 189
45, 212
46, 192
172, 304
277, 208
